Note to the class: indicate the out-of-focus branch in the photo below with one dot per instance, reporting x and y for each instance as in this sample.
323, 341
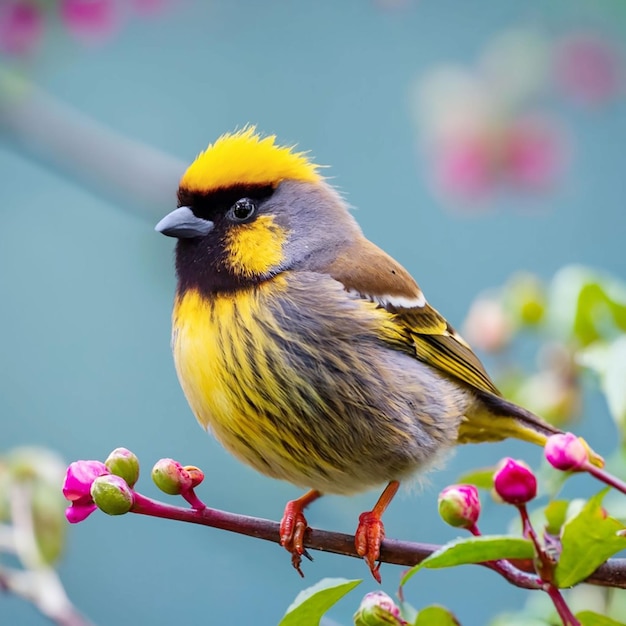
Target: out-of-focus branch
135, 176
38, 582
43, 588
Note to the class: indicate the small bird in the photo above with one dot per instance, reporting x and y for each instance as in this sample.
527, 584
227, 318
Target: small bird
310, 353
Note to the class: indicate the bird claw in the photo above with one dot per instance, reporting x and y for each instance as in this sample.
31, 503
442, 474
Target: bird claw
368, 539
293, 526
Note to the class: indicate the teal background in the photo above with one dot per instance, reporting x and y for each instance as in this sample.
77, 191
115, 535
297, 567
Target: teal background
86, 285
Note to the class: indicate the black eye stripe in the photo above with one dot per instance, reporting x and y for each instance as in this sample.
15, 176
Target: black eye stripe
219, 201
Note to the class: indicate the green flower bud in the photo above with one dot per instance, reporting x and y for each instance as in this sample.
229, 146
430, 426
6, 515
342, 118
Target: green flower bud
124, 463
378, 609
112, 495
459, 506
171, 477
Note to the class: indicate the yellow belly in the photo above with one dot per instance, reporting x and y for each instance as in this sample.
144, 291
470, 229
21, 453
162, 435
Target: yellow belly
221, 353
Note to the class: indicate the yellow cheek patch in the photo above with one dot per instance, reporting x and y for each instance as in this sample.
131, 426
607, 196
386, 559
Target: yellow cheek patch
256, 248
245, 158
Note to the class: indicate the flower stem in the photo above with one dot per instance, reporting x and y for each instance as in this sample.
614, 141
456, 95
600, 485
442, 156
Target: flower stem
193, 499
605, 476
560, 605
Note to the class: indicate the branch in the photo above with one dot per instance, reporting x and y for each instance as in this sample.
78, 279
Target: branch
134, 175
406, 553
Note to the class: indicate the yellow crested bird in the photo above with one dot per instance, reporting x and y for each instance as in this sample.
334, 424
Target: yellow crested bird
310, 353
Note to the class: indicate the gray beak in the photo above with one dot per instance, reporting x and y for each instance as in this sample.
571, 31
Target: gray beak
182, 223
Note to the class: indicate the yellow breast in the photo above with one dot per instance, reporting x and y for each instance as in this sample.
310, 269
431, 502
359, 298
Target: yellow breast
226, 362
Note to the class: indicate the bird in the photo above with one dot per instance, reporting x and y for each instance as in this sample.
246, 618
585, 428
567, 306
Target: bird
310, 353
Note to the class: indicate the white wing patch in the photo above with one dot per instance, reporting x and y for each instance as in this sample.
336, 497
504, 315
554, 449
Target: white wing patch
399, 302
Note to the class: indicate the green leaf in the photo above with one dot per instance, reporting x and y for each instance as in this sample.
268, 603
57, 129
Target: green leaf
481, 477
608, 360
588, 539
587, 305
310, 604
435, 615
475, 550
589, 618
555, 513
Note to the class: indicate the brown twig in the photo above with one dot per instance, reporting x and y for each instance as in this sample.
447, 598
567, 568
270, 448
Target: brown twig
405, 553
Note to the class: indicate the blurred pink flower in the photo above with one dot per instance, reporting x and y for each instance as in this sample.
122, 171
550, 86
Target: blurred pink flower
487, 326
464, 167
588, 68
21, 27
535, 153
91, 21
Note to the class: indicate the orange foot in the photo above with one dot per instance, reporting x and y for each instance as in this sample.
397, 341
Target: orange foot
371, 531
369, 535
293, 525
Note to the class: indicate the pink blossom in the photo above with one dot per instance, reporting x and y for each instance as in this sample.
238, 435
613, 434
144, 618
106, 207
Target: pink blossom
588, 68
566, 452
21, 27
77, 488
488, 326
90, 20
534, 153
514, 482
464, 167
459, 506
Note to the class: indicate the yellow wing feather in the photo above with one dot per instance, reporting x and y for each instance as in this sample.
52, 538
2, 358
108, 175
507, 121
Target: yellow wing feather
439, 345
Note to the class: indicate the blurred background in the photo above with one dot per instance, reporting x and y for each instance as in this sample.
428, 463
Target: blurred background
475, 139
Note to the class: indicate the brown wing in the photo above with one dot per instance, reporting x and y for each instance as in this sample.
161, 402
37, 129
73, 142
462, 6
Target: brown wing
367, 270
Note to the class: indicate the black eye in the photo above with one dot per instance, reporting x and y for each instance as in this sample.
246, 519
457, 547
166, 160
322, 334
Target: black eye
242, 210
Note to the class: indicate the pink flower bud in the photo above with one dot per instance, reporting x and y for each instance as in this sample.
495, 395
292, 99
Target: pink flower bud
79, 478
196, 475
378, 609
514, 482
171, 477
21, 27
459, 505
112, 495
566, 452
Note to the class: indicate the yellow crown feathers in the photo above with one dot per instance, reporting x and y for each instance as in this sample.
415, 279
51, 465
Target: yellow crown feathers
246, 158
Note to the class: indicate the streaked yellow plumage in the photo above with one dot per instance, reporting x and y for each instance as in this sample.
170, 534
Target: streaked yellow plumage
232, 355
247, 158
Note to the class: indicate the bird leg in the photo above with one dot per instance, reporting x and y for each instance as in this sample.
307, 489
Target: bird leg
371, 531
293, 525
